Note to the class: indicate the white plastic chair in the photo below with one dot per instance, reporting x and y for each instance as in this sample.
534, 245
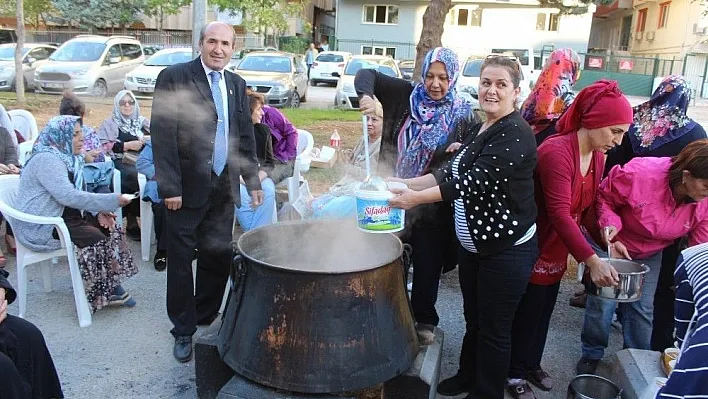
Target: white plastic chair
25, 257
24, 150
305, 142
116, 189
146, 219
25, 123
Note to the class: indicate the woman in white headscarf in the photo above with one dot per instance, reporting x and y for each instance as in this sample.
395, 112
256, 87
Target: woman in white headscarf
125, 132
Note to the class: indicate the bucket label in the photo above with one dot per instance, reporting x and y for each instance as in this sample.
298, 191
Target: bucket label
377, 215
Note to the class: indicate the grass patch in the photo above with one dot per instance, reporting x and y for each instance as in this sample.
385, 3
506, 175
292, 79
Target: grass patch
303, 117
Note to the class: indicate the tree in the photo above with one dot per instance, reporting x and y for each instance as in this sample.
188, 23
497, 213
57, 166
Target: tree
261, 15
160, 9
19, 47
433, 28
35, 11
92, 14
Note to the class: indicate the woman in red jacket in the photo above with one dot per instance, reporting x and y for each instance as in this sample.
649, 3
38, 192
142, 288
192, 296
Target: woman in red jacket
568, 172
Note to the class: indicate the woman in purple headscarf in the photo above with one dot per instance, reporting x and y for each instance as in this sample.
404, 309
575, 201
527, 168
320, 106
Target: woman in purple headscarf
421, 122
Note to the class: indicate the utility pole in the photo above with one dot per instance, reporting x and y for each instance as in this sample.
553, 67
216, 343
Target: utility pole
19, 47
199, 16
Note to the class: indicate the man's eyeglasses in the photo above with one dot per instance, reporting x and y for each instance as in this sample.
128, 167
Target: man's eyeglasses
123, 103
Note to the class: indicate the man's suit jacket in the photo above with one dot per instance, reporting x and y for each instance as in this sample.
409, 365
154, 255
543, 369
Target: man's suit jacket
183, 129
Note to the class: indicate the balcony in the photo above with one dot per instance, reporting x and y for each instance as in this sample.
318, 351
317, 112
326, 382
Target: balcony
605, 11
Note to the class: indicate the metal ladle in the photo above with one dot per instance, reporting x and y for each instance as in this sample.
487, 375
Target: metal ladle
371, 183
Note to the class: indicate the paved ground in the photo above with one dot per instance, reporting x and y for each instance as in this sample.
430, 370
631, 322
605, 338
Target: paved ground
127, 353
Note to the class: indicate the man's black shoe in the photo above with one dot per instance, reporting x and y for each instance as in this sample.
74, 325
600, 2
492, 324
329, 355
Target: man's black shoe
183, 348
160, 260
453, 386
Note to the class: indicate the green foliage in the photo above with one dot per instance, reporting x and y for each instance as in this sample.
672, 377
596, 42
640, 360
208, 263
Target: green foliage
35, 10
261, 15
90, 14
293, 44
160, 9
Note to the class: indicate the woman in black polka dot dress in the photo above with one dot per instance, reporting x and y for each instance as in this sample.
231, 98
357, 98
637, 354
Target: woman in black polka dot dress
490, 184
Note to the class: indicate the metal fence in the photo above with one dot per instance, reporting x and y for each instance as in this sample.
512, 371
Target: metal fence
146, 37
397, 50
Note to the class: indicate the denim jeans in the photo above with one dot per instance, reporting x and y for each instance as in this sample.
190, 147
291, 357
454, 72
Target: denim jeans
250, 218
636, 317
492, 287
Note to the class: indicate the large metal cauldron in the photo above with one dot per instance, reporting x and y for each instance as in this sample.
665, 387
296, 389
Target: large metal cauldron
318, 307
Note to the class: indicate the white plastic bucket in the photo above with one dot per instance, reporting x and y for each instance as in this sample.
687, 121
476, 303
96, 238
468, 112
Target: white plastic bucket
375, 215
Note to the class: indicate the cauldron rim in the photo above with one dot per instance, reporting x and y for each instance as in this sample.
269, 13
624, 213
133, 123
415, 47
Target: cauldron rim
245, 254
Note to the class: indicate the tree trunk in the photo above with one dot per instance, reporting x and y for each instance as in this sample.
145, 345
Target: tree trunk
431, 35
19, 70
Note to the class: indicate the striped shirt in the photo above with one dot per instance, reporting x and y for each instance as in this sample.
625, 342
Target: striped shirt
461, 226
690, 376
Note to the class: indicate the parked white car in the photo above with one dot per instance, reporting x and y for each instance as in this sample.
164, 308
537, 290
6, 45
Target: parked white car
89, 64
326, 63
33, 55
346, 96
468, 82
141, 80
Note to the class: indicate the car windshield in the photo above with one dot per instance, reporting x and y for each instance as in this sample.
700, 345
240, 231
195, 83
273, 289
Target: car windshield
356, 64
406, 64
472, 68
78, 51
8, 53
167, 59
329, 58
265, 64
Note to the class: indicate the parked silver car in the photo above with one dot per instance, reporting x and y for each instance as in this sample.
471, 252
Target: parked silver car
280, 77
346, 96
33, 55
141, 80
90, 64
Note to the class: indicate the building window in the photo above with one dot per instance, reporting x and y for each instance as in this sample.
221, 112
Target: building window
664, 14
466, 16
378, 50
553, 22
641, 19
380, 14
541, 21
552, 19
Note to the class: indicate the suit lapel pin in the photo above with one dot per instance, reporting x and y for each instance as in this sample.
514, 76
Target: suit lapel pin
231, 92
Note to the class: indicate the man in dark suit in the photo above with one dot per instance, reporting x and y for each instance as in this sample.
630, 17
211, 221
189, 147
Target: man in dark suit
203, 144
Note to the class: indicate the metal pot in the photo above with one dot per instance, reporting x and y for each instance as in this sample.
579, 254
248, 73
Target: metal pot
318, 307
631, 280
588, 386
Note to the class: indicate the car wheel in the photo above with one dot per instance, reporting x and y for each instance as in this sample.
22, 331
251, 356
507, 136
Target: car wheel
295, 100
313, 83
99, 89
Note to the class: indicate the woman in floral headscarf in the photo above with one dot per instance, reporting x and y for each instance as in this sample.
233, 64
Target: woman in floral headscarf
52, 185
126, 130
553, 93
661, 128
420, 123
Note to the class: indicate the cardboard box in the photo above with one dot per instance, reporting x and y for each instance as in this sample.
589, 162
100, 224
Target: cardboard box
326, 158
323, 164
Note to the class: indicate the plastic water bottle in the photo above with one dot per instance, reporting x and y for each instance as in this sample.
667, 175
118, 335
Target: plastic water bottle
334, 140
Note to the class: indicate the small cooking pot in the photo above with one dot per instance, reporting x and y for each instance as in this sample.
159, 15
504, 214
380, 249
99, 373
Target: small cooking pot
588, 386
631, 280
